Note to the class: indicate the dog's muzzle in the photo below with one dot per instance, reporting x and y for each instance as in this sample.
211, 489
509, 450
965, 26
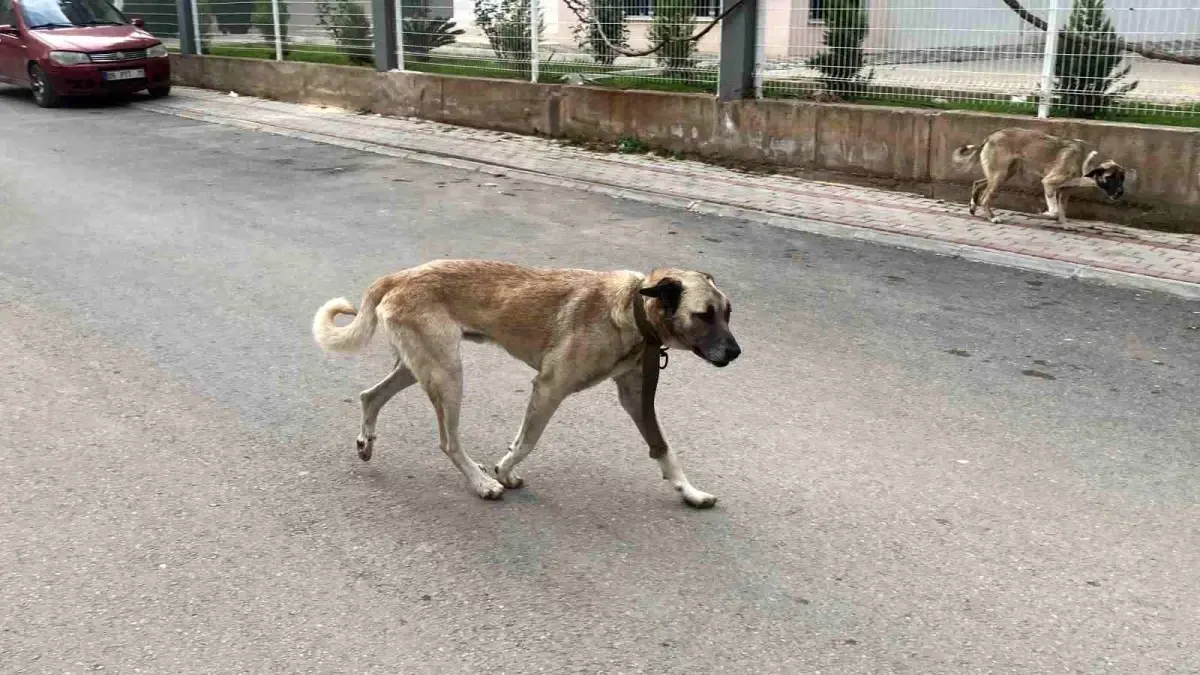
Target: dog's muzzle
720, 354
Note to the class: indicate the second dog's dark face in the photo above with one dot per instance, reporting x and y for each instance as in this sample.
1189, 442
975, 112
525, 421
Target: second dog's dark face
1109, 177
695, 315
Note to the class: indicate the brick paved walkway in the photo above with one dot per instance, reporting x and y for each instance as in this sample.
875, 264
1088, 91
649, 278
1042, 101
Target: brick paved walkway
1104, 251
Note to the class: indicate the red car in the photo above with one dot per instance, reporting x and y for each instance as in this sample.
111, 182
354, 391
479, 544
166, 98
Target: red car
63, 48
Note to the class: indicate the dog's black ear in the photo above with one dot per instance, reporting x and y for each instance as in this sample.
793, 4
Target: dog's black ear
668, 291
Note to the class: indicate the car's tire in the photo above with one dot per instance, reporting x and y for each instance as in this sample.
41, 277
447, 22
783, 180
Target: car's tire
43, 89
160, 92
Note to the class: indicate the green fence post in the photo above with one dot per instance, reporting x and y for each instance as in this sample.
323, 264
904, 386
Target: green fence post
739, 34
383, 19
187, 28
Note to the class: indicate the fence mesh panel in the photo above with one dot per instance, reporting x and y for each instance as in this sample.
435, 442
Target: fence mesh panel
161, 17
981, 54
324, 31
497, 38
974, 54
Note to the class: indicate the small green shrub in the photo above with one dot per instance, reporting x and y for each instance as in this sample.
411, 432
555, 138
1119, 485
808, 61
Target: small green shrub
233, 17
841, 64
264, 21
350, 28
607, 16
1087, 72
506, 25
423, 34
632, 145
672, 25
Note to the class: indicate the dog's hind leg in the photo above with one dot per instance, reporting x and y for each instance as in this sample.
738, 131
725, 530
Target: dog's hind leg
995, 179
976, 187
433, 356
989, 192
548, 393
629, 391
374, 399
995, 176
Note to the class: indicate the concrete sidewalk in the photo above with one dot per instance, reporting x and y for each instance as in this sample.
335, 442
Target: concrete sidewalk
1088, 250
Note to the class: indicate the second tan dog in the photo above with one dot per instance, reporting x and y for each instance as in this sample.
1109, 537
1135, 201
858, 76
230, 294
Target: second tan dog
576, 328
1061, 163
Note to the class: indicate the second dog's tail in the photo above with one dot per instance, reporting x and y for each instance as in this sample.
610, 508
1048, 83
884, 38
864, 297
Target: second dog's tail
966, 155
353, 336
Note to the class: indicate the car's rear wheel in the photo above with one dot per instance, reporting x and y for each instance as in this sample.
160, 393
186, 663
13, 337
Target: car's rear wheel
160, 92
43, 89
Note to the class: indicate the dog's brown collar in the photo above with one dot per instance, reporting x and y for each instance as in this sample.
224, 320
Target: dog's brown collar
653, 341
643, 321
654, 359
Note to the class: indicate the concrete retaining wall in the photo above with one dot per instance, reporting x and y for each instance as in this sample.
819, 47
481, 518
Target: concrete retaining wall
902, 148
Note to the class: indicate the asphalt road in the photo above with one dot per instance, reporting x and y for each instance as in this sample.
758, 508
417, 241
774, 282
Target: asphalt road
925, 465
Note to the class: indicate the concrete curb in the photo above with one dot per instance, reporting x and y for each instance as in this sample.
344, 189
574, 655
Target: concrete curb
827, 228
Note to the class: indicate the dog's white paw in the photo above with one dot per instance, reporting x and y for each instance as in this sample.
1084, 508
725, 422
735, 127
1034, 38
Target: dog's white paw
365, 445
995, 219
696, 498
488, 488
508, 479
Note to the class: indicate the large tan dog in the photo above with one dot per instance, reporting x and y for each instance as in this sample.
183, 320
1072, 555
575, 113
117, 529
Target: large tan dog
576, 328
1061, 163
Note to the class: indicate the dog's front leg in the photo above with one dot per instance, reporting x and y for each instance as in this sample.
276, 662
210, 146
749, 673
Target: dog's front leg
1059, 188
546, 397
629, 391
1052, 207
1063, 196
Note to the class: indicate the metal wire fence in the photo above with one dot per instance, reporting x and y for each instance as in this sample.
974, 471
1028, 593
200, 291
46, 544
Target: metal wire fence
596, 42
326, 31
980, 53
161, 16
977, 54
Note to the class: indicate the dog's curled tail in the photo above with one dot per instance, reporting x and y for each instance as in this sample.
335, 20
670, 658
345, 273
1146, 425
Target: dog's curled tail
965, 155
348, 338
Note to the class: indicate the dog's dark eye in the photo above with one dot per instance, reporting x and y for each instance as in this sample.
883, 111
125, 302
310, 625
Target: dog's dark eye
707, 316
728, 312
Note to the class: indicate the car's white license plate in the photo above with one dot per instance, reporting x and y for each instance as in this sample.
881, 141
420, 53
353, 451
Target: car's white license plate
133, 74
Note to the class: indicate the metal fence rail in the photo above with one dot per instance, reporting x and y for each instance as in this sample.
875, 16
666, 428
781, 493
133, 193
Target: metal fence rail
944, 53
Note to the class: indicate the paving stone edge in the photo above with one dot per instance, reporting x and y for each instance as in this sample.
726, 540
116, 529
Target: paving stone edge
981, 254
